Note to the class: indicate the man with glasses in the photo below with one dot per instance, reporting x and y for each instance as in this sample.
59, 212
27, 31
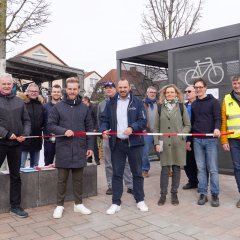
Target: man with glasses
34, 104
191, 167
150, 104
206, 118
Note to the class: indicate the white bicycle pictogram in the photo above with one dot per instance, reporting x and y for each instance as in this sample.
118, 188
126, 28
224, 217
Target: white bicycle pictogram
215, 73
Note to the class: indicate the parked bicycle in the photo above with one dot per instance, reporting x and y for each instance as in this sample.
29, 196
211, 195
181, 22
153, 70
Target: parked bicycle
215, 73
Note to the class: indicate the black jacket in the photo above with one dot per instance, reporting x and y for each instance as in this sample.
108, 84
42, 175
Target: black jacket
14, 118
75, 116
206, 115
35, 111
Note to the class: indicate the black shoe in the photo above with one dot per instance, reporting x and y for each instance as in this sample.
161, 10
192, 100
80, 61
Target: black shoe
97, 162
202, 199
19, 212
215, 200
109, 191
130, 191
162, 200
174, 199
89, 160
189, 186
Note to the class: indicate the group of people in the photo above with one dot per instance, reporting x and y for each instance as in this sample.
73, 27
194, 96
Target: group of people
123, 119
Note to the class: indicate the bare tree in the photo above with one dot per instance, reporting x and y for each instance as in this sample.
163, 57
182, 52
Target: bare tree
20, 19
167, 19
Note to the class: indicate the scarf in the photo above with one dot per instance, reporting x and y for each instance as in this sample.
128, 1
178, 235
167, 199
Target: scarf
150, 102
170, 104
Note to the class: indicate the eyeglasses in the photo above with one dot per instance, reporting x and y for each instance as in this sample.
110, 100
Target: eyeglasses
200, 87
34, 91
187, 91
153, 92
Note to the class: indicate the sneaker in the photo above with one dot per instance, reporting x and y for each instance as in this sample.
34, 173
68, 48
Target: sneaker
82, 209
189, 186
238, 204
130, 191
109, 191
142, 206
215, 200
58, 212
145, 174
162, 200
174, 199
19, 212
202, 199
113, 209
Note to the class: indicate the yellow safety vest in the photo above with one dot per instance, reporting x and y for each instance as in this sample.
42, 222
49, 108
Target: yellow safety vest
233, 116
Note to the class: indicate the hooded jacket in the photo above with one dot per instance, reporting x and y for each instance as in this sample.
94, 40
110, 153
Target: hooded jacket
136, 119
14, 118
206, 115
76, 116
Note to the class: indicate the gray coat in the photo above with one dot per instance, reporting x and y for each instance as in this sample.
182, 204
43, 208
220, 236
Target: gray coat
75, 116
174, 147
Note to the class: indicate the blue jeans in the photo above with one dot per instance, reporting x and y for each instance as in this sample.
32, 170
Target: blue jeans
118, 157
206, 155
148, 143
34, 158
235, 153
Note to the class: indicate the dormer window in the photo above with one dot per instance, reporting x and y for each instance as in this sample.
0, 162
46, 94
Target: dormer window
39, 54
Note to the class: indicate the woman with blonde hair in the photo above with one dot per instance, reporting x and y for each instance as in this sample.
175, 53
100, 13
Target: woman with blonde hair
172, 117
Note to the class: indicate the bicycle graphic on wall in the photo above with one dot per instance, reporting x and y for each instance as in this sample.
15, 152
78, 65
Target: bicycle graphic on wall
215, 73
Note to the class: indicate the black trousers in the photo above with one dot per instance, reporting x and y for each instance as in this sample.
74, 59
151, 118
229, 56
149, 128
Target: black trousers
49, 152
13, 155
191, 168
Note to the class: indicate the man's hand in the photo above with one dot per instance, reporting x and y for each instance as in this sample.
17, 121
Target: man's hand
105, 134
226, 147
128, 131
216, 133
89, 153
69, 133
20, 139
188, 146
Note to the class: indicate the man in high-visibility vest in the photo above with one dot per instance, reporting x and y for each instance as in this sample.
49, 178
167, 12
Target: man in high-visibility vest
231, 123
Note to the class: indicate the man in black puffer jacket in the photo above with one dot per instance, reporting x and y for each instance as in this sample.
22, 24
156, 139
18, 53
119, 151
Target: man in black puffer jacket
14, 125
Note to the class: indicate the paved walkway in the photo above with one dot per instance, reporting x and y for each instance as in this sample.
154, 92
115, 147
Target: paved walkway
186, 221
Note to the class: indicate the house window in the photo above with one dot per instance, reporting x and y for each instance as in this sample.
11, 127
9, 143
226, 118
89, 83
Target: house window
93, 82
39, 54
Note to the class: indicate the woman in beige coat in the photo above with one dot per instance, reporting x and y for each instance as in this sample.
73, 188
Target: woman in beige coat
172, 117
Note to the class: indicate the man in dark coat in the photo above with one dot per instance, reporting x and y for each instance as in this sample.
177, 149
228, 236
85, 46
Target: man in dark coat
50, 143
14, 125
66, 118
34, 104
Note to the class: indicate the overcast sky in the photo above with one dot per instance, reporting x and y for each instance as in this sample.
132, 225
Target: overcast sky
87, 33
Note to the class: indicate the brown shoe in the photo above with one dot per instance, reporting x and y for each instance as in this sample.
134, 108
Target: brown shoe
145, 174
238, 204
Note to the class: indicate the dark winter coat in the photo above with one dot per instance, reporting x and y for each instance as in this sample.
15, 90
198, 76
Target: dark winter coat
206, 115
35, 111
14, 118
75, 116
136, 120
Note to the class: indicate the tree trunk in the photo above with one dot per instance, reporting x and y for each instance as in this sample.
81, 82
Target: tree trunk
3, 9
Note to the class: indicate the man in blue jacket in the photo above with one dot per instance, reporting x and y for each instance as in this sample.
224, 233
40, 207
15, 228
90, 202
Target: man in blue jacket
125, 115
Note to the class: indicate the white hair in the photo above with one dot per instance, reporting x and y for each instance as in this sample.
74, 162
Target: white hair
6, 75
